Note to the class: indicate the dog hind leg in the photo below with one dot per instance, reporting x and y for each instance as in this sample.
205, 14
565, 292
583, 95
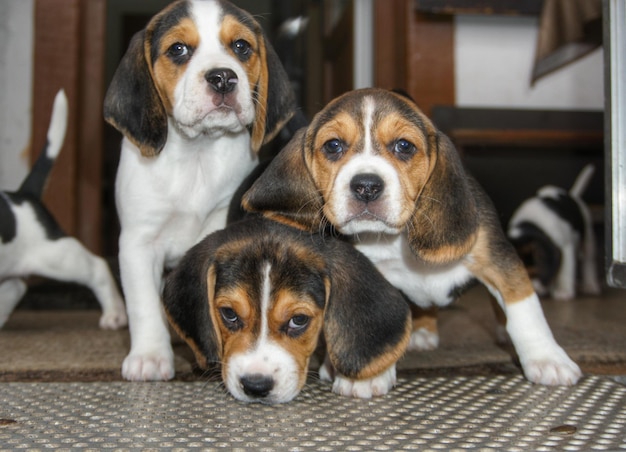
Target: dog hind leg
66, 259
11, 292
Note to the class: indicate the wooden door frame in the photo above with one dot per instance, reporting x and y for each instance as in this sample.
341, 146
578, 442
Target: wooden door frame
414, 51
69, 53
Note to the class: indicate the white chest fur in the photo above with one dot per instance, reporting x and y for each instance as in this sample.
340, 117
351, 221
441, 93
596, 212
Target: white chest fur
424, 284
174, 199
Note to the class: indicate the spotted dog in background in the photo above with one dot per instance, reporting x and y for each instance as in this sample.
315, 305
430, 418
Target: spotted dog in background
32, 242
553, 234
375, 168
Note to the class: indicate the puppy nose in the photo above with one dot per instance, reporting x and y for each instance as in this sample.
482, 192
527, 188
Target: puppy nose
257, 385
367, 187
222, 80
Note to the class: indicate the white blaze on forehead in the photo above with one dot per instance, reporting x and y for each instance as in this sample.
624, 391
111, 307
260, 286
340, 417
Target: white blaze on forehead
266, 292
368, 109
207, 15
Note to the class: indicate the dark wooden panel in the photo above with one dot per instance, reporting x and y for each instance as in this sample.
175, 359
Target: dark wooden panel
69, 54
509, 7
430, 56
506, 128
391, 19
90, 136
338, 56
57, 48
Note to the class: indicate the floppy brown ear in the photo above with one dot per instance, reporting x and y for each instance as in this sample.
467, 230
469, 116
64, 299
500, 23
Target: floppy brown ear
445, 222
275, 100
367, 322
186, 297
285, 191
132, 104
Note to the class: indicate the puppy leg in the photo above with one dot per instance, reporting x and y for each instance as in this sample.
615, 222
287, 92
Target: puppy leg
425, 335
151, 356
564, 286
11, 292
326, 371
368, 388
68, 260
542, 359
590, 285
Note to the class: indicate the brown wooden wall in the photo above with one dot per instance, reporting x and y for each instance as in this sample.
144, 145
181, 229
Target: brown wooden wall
69, 54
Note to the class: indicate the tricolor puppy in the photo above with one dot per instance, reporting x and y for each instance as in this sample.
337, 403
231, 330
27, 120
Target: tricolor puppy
553, 234
376, 169
197, 93
255, 297
33, 243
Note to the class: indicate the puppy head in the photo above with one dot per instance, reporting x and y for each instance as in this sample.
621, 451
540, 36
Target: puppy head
372, 162
256, 297
205, 68
268, 312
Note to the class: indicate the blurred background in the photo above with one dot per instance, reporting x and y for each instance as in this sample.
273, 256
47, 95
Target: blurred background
475, 66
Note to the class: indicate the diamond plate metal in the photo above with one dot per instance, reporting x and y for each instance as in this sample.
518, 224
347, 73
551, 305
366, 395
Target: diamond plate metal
501, 412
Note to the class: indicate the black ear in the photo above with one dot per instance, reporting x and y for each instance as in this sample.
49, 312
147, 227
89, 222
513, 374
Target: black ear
367, 322
186, 298
445, 222
285, 191
275, 99
132, 104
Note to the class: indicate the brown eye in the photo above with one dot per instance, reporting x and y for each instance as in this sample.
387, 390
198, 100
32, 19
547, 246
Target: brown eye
334, 149
179, 53
297, 325
403, 149
242, 49
231, 319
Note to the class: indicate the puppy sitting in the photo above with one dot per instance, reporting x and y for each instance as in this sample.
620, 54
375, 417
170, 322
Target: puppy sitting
553, 234
32, 242
375, 168
197, 93
255, 296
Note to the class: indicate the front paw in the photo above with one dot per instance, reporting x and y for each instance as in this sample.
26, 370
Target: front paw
422, 340
155, 366
552, 371
368, 388
114, 319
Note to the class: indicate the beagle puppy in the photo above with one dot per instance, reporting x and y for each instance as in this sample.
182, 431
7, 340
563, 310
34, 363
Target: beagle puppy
254, 297
33, 243
372, 166
553, 234
197, 93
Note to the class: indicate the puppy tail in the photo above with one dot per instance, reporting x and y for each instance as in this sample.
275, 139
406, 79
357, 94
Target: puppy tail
582, 181
35, 182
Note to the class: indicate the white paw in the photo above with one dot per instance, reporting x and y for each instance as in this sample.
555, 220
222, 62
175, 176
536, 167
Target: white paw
556, 370
591, 288
156, 366
422, 339
563, 293
366, 389
326, 371
113, 320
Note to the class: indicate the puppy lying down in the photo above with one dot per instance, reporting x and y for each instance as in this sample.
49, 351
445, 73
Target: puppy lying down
256, 296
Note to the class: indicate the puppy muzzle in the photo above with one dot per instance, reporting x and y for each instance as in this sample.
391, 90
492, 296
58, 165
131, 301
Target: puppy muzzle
367, 187
257, 386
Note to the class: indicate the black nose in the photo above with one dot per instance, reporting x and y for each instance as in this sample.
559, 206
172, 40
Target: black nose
367, 187
257, 385
222, 80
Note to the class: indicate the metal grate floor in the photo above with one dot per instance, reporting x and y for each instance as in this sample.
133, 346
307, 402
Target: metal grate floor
470, 412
